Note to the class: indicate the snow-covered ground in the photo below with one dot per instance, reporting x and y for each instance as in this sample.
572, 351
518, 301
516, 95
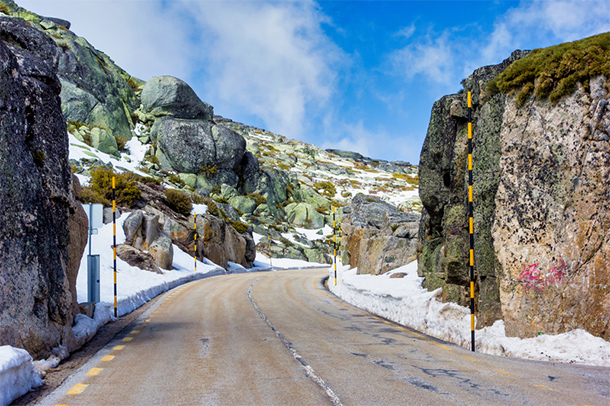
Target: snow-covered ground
404, 301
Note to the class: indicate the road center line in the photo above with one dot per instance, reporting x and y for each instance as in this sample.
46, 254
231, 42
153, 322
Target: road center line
309, 371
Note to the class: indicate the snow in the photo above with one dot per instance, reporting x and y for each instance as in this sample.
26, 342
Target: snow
404, 301
313, 235
137, 150
134, 285
199, 209
17, 374
80, 150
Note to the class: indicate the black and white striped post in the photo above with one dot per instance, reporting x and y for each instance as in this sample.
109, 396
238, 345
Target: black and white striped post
114, 242
471, 222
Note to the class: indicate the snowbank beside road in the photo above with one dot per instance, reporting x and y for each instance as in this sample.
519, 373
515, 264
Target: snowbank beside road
404, 301
17, 374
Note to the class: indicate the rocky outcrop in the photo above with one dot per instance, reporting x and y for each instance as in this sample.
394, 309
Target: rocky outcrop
137, 258
541, 182
36, 195
170, 96
145, 232
221, 243
376, 236
94, 91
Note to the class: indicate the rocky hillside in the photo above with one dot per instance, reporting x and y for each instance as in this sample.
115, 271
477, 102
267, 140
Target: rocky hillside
541, 191
168, 152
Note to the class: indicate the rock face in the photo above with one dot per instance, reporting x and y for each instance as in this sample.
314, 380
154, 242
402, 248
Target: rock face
36, 195
377, 236
541, 199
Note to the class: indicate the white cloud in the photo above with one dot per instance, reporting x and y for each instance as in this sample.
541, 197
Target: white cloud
431, 56
140, 36
543, 23
271, 59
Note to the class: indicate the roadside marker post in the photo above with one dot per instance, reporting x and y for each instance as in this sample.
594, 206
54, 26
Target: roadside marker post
114, 242
195, 237
471, 222
269, 242
334, 246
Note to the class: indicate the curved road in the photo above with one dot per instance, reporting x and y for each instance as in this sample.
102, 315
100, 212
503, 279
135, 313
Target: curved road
280, 338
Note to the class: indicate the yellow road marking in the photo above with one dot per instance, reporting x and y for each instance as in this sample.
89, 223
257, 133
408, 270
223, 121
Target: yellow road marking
147, 320
78, 389
118, 347
134, 331
127, 339
108, 358
383, 320
504, 372
544, 388
62, 404
94, 371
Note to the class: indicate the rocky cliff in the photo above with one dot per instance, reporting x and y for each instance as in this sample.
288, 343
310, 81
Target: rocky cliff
541, 155
36, 196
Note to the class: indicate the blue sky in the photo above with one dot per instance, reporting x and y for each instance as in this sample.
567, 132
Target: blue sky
354, 75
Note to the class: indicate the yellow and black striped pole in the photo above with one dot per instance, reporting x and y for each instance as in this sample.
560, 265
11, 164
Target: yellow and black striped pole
195, 236
471, 221
114, 241
269, 242
334, 246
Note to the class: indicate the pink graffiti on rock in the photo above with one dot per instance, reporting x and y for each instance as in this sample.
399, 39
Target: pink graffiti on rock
533, 278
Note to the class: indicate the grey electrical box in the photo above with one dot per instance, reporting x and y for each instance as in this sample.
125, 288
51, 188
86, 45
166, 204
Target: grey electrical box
93, 278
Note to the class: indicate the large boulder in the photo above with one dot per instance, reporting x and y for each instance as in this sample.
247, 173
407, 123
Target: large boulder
221, 243
304, 215
170, 96
144, 232
137, 258
377, 236
194, 146
36, 196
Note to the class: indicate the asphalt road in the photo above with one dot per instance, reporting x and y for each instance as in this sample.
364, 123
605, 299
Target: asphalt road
280, 338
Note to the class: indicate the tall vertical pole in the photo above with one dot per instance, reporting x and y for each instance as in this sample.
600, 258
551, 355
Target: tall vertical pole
269, 246
195, 250
471, 221
114, 241
335, 246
